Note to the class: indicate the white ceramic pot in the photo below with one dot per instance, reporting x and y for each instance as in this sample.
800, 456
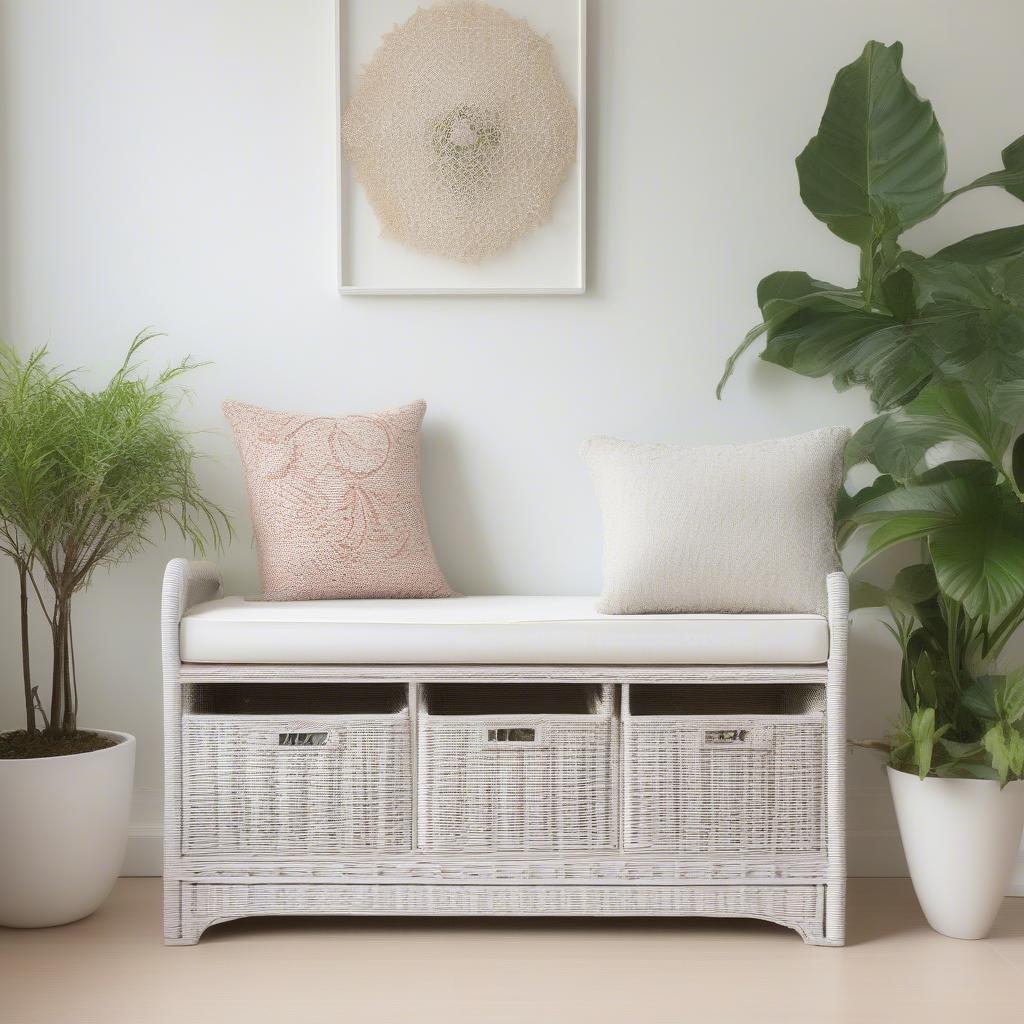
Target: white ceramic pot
63, 832
961, 838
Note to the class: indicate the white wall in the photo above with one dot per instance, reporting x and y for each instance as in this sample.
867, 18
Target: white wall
173, 163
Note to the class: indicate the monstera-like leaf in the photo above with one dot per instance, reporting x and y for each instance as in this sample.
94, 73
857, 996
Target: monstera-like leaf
912, 586
948, 410
847, 504
783, 295
956, 315
894, 359
878, 161
815, 328
974, 526
971, 311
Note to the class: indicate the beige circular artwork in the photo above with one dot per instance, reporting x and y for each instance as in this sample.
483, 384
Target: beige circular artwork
461, 130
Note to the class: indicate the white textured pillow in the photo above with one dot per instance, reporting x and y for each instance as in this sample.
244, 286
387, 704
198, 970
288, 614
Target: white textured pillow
729, 528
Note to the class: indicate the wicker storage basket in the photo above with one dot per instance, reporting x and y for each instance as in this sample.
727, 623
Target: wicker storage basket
284, 769
518, 768
711, 769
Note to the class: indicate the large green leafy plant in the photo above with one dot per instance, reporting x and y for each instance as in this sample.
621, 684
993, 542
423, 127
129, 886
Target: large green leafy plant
938, 342
84, 476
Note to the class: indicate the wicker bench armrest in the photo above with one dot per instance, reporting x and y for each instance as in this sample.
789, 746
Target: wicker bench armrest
187, 583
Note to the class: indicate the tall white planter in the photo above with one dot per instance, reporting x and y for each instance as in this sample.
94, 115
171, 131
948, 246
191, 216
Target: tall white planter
961, 838
63, 832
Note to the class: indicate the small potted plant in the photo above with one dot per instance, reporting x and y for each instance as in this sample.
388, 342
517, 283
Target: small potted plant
84, 476
938, 342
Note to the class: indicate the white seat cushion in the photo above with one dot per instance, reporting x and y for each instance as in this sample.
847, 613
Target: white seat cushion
489, 631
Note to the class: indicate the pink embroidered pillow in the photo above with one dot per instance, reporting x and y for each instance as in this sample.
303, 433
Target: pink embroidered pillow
336, 503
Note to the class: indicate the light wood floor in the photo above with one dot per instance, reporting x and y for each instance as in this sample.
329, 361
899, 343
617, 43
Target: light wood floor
112, 967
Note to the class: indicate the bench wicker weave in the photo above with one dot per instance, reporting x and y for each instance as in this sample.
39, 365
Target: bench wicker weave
560, 789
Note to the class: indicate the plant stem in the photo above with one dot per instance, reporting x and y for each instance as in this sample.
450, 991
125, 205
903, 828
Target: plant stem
26, 666
952, 640
63, 713
56, 726
867, 275
74, 671
68, 724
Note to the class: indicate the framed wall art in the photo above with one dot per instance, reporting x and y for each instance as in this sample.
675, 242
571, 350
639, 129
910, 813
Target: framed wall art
461, 143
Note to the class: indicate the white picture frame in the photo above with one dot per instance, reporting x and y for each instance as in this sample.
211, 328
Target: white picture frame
549, 261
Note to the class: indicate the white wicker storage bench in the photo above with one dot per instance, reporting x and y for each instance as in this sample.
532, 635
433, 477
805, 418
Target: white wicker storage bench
521, 756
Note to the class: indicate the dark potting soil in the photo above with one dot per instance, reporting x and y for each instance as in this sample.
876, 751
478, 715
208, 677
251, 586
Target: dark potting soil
20, 744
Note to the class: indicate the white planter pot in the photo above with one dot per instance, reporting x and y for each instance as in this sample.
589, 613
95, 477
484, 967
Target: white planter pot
63, 831
961, 838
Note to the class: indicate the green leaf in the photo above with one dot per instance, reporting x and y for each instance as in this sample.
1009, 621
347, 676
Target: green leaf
939, 505
787, 291
867, 595
961, 751
896, 444
898, 292
1012, 699
897, 530
981, 566
955, 409
893, 359
1005, 746
1007, 401
924, 681
980, 699
967, 323
1013, 160
997, 698
933, 634
922, 731
894, 365
780, 296
915, 584
847, 504
979, 561
730, 364
1017, 463
970, 316
865, 441
815, 343
943, 287
1012, 179
958, 469
878, 160
1001, 244
975, 532
966, 770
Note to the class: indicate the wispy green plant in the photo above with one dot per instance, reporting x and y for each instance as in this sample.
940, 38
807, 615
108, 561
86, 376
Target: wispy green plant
938, 343
85, 477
